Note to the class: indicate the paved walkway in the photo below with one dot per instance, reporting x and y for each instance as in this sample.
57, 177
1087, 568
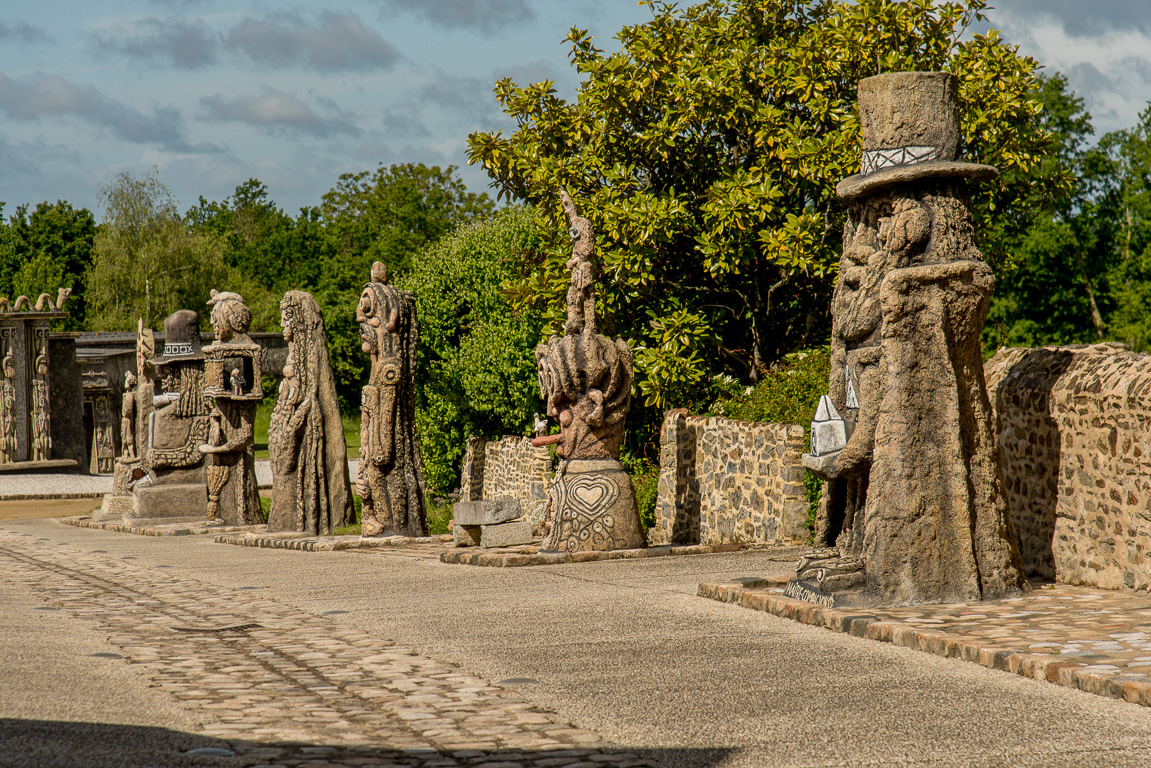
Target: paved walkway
1095, 640
624, 651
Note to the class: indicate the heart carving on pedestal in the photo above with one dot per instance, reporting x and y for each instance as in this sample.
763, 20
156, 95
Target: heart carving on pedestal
591, 495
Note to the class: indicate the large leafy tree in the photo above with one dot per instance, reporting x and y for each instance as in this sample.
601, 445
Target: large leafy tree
148, 262
706, 153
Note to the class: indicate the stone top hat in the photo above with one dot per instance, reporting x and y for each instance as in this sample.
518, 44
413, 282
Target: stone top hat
909, 126
181, 338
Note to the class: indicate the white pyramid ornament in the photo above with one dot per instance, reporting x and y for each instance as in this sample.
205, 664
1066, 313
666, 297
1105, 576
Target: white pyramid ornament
828, 431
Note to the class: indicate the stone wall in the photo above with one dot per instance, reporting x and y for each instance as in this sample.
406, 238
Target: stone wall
723, 481
1075, 443
507, 468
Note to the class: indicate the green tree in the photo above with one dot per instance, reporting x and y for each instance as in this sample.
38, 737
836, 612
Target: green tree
49, 248
387, 215
148, 262
706, 153
476, 361
1055, 287
1128, 201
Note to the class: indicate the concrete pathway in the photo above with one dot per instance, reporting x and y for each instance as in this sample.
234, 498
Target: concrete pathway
624, 651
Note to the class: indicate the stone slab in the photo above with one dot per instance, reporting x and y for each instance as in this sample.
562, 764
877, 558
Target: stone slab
486, 511
177, 500
510, 534
39, 466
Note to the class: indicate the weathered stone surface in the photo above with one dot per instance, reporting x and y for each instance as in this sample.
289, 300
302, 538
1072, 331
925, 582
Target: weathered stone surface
1073, 427
585, 380
509, 534
486, 511
169, 500
723, 481
391, 475
509, 467
465, 535
916, 494
232, 382
310, 482
594, 508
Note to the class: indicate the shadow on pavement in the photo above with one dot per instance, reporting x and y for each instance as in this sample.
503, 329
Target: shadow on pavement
62, 744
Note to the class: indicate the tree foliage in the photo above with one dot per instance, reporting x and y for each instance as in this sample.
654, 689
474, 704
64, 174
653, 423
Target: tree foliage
476, 360
706, 153
49, 248
147, 261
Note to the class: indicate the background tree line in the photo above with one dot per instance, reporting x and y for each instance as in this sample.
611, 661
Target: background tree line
705, 152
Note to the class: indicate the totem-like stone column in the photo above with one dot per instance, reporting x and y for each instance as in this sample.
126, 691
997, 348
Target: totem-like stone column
391, 479
310, 482
585, 379
913, 509
232, 383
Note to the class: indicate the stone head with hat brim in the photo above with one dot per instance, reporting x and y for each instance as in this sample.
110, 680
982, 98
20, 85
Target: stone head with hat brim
910, 131
181, 338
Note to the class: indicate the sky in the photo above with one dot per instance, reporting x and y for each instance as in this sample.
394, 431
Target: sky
214, 92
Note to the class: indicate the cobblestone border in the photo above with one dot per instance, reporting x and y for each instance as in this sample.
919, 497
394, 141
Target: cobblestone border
1041, 667
85, 522
513, 559
323, 543
77, 496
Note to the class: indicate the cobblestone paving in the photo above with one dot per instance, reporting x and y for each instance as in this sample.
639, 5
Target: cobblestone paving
287, 688
1096, 640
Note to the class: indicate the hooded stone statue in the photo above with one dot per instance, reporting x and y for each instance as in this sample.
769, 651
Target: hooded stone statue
913, 509
310, 483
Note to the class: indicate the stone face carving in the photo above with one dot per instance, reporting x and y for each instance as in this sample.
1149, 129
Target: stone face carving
310, 482
391, 478
914, 503
585, 379
231, 361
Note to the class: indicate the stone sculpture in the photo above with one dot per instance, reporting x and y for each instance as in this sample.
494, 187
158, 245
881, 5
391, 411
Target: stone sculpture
7, 408
128, 418
41, 408
391, 477
232, 361
310, 482
585, 380
913, 509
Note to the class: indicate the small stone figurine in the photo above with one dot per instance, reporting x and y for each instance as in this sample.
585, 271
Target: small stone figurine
391, 479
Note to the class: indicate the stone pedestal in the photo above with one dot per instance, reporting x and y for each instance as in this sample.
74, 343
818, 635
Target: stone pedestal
490, 523
594, 508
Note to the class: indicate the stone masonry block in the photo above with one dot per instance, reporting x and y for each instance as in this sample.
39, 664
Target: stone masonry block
509, 534
465, 535
486, 511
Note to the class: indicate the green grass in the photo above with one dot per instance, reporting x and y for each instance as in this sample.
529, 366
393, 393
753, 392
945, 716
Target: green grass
439, 515
264, 416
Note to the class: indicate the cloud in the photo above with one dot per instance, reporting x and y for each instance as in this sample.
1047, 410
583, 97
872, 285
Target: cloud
1079, 18
338, 42
482, 15
40, 95
468, 98
530, 72
275, 111
23, 32
182, 43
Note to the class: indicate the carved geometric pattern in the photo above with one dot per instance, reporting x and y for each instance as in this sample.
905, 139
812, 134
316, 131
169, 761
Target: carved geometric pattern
877, 159
188, 454
584, 502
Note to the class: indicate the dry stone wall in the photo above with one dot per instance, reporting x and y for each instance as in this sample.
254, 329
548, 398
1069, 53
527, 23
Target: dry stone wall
507, 468
723, 481
1075, 444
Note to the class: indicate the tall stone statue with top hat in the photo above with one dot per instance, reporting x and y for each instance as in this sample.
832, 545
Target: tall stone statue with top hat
913, 508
